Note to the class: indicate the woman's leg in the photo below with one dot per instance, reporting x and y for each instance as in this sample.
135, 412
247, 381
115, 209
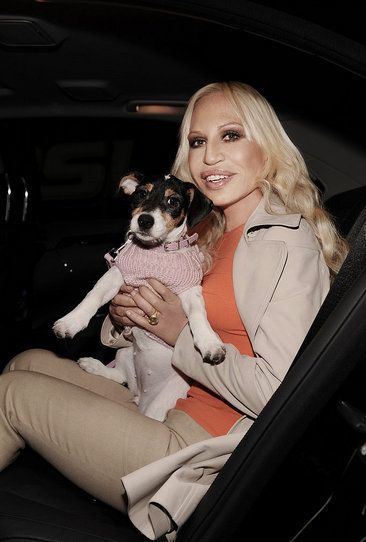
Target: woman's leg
46, 362
92, 440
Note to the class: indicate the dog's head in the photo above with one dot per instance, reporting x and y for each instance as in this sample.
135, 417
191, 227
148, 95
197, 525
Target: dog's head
162, 205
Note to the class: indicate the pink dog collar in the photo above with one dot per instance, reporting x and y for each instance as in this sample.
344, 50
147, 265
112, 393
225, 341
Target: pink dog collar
183, 242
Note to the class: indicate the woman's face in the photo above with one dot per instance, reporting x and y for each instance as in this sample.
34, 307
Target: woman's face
224, 164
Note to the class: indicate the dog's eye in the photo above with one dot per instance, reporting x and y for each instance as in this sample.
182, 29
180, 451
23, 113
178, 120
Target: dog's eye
173, 202
140, 194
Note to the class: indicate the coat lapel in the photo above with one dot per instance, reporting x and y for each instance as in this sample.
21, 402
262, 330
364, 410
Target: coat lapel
251, 295
255, 284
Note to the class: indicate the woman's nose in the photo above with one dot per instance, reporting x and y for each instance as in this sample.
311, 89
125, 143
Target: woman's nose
213, 154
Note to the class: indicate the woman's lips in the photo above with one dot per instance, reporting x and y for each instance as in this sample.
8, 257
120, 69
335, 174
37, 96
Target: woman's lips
216, 181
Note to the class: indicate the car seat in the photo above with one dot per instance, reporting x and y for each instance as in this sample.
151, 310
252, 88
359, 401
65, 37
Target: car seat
345, 207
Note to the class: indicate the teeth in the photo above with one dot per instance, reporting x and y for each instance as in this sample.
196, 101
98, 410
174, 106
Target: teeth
213, 178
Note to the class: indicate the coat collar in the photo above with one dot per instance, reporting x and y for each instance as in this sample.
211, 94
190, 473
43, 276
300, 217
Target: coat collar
260, 217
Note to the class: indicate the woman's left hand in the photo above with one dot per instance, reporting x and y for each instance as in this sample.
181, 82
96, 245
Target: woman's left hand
170, 314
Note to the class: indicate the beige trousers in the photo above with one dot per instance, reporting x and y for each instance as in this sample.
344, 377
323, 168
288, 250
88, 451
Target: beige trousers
85, 425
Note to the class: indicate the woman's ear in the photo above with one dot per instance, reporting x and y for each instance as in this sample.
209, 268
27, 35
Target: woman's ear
199, 207
129, 182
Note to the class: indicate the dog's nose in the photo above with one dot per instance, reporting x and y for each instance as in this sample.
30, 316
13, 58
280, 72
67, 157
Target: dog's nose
145, 221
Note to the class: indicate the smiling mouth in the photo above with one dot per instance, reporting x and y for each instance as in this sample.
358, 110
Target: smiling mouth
216, 181
215, 178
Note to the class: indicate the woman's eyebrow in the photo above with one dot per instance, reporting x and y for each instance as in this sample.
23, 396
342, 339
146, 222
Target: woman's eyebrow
233, 123
194, 132
230, 124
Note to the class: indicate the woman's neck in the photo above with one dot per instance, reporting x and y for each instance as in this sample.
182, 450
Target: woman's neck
238, 213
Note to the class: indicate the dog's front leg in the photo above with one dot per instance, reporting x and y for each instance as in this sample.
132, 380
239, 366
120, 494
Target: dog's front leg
104, 290
205, 339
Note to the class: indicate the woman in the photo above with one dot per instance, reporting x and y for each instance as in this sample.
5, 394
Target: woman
287, 250
270, 252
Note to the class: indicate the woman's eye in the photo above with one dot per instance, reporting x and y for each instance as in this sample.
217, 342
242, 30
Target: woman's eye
231, 135
196, 142
173, 202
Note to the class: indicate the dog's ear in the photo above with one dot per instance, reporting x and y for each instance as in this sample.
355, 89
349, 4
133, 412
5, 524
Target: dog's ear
130, 182
199, 207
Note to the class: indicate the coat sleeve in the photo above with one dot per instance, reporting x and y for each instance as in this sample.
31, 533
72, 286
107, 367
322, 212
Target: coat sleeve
248, 382
109, 336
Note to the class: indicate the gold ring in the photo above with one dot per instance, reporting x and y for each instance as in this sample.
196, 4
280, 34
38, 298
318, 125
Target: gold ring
153, 318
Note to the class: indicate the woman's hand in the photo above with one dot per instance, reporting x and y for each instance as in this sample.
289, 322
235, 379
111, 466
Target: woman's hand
133, 306
119, 305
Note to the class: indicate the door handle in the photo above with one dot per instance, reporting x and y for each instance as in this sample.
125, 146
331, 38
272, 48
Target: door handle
10, 194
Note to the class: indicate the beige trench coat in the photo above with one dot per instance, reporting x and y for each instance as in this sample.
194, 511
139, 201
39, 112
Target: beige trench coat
280, 281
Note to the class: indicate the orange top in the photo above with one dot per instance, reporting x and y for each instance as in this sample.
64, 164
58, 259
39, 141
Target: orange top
208, 409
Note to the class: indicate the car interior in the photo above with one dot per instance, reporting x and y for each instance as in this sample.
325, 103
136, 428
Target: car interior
92, 89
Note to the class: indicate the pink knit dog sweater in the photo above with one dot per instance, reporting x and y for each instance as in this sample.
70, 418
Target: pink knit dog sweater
178, 269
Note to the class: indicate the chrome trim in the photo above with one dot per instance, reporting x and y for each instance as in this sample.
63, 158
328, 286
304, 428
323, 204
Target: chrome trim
25, 200
8, 199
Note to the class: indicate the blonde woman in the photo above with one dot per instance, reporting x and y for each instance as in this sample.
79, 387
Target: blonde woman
270, 254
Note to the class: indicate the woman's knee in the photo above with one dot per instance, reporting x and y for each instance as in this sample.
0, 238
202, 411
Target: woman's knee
30, 360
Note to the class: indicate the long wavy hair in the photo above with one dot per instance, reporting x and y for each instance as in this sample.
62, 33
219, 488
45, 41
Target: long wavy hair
286, 174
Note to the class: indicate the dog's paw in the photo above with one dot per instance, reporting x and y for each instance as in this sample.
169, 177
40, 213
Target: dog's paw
212, 351
215, 355
91, 365
69, 326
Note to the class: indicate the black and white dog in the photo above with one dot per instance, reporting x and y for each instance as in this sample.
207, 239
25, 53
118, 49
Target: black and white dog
157, 246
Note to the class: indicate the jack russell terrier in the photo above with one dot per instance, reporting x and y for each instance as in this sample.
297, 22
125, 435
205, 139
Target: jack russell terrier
157, 246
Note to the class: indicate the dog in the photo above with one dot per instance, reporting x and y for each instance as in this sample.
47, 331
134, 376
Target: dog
157, 245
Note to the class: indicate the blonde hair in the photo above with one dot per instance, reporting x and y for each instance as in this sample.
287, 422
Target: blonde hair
286, 173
